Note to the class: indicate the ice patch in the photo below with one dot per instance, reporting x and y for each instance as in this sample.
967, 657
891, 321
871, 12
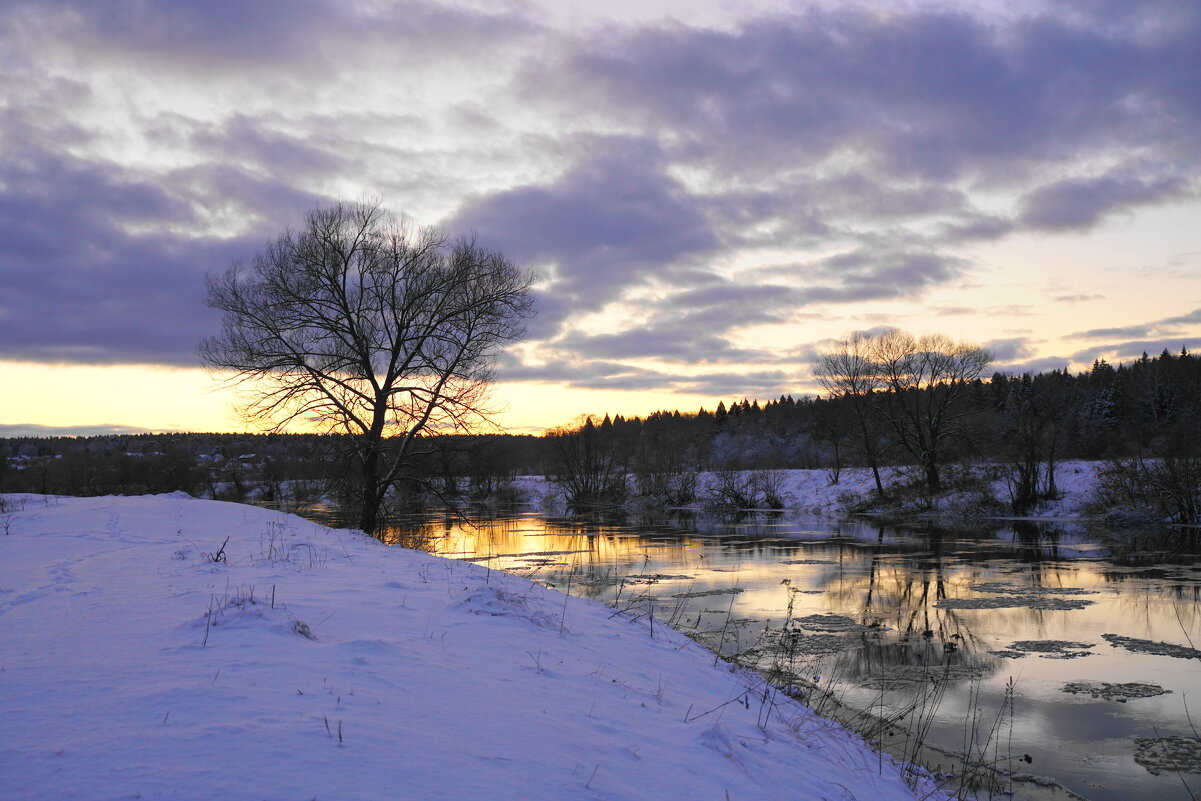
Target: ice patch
1048, 649
837, 623
1168, 754
1014, 602
901, 675
1149, 647
1114, 692
1013, 589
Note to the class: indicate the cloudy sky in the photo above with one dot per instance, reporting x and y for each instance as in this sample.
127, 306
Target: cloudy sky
707, 190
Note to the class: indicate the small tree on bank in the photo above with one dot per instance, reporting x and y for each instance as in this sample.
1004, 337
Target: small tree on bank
587, 462
1033, 413
363, 325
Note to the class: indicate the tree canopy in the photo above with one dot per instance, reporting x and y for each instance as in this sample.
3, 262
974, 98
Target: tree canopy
360, 323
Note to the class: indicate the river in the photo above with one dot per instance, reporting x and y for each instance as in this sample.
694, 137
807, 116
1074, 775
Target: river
1033, 647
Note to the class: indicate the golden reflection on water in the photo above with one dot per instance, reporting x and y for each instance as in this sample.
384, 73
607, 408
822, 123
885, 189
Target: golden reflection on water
748, 580
871, 573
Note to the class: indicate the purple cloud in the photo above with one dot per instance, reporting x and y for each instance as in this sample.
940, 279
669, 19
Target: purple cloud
927, 94
660, 154
867, 275
618, 376
1010, 349
283, 36
36, 430
613, 222
1083, 202
1161, 328
93, 272
1132, 349
1109, 333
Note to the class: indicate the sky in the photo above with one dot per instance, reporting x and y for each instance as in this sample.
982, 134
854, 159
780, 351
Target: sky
709, 192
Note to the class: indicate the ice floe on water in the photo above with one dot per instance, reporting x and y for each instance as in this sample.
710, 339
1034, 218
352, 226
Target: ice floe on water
837, 623
1024, 591
1150, 647
1048, 649
1120, 691
1172, 754
1042, 602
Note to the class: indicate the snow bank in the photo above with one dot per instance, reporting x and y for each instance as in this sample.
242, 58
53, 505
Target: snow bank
315, 663
810, 491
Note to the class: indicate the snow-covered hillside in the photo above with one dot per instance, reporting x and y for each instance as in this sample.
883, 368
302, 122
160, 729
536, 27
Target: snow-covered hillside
170, 647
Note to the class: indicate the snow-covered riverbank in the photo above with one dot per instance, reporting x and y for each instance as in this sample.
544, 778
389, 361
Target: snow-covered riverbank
316, 663
812, 491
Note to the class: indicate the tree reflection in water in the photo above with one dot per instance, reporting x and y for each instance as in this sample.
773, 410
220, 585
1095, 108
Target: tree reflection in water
766, 589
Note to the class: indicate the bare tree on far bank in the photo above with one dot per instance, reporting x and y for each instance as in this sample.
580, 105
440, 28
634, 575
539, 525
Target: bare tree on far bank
848, 372
363, 325
928, 382
1033, 416
919, 388
588, 464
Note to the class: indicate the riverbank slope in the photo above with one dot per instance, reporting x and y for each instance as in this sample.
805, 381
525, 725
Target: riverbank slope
166, 646
816, 492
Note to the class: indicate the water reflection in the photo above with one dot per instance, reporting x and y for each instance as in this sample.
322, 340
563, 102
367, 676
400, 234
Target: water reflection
878, 614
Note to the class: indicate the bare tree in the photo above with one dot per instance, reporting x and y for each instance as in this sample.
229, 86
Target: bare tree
588, 464
363, 325
927, 383
849, 373
1033, 417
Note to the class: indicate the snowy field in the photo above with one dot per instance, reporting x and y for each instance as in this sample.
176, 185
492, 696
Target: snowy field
316, 663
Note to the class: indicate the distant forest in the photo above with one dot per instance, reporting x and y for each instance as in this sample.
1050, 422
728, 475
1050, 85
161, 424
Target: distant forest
1145, 417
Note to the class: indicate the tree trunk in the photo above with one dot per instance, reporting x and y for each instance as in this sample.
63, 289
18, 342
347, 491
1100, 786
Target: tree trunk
369, 514
869, 450
370, 492
933, 482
